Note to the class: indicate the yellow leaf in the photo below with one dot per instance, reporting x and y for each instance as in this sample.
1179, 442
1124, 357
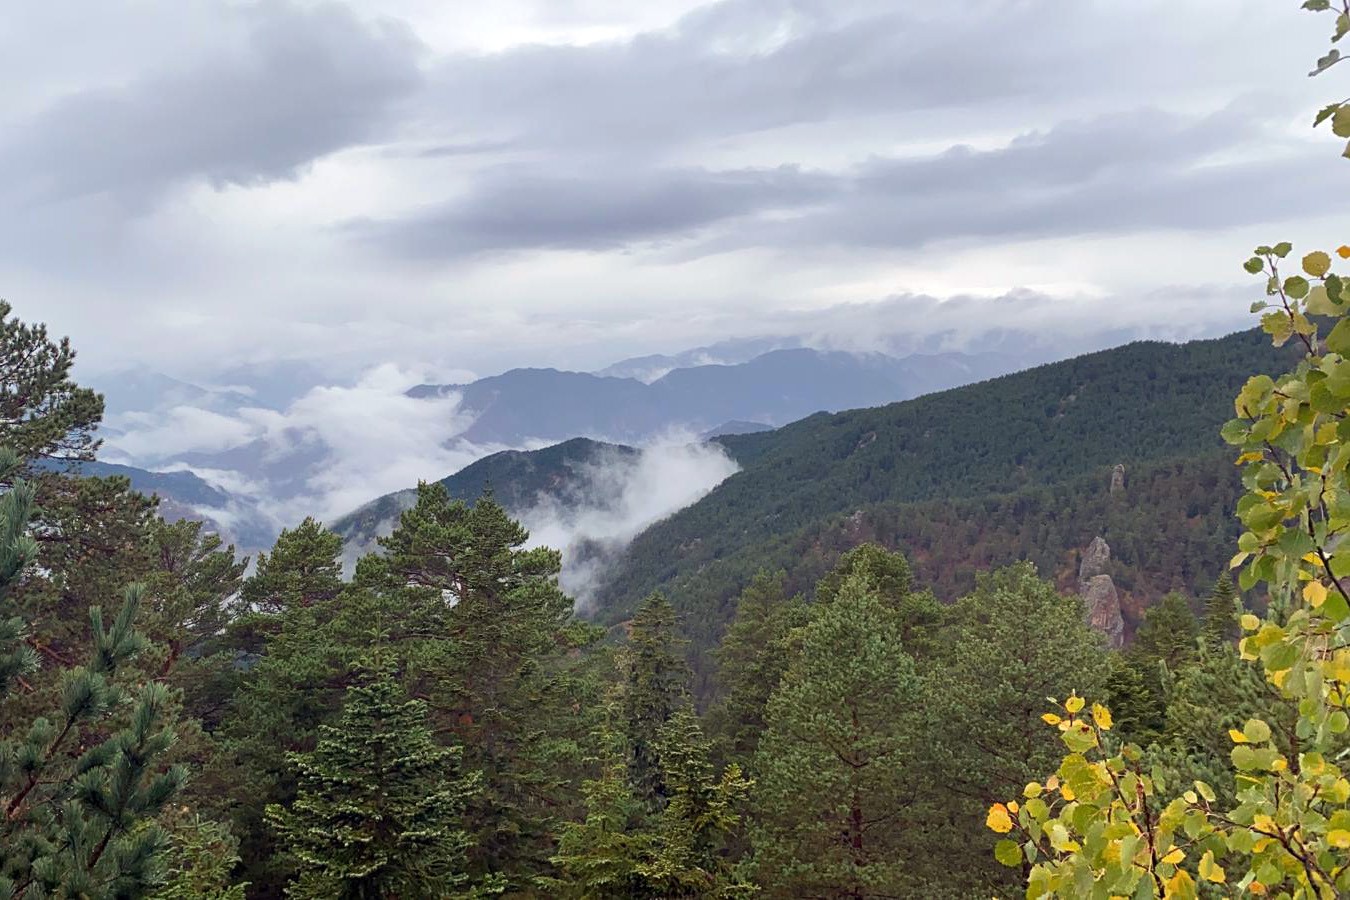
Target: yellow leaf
1050, 719
1339, 838
1257, 888
1250, 622
1102, 716
1209, 870
1175, 856
1252, 456
1012, 807
1032, 790
998, 819
1315, 593
1066, 792
1179, 887
1343, 252
1052, 783
1314, 560
1074, 703
1236, 736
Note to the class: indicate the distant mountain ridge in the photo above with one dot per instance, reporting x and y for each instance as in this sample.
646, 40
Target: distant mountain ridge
775, 387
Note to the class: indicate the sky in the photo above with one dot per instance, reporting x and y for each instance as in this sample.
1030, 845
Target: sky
454, 187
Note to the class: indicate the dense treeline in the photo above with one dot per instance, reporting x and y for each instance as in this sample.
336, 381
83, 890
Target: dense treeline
442, 725
1170, 529
1043, 426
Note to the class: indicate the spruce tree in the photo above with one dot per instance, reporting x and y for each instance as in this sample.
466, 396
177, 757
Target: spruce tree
1169, 632
888, 574
836, 770
380, 806
1222, 608
656, 684
622, 851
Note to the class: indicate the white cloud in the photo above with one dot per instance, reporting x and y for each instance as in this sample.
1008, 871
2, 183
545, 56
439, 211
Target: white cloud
616, 498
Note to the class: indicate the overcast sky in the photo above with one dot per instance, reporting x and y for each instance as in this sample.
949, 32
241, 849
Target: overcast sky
473, 185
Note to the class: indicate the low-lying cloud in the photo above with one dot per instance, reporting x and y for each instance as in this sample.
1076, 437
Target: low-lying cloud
616, 498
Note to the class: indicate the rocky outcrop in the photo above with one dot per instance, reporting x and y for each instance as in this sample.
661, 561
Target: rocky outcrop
1118, 478
1100, 598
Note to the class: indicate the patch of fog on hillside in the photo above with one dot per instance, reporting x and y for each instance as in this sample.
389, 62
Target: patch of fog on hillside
614, 499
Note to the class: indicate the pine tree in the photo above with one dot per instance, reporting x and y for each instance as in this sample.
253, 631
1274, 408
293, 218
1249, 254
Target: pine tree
986, 693
77, 815
1221, 612
490, 640
889, 575
837, 760
42, 412
379, 811
751, 661
303, 569
656, 685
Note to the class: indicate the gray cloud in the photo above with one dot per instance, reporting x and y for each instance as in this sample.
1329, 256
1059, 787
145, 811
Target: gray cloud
286, 85
1126, 172
509, 209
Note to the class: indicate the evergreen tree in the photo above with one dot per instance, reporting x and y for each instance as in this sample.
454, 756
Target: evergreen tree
751, 661
888, 574
656, 685
1221, 613
379, 811
835, 772
1136, 699
1169, 632
76, 812
986, 693
303, 569
490, 641
42, 412
621, 851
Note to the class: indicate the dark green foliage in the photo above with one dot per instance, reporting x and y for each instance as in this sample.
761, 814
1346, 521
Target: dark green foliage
76, 817
751, 661
656, 685
839, 758
621, 850
1169, 632
379, 811
1222, 609
303, 569
490, 641
973, 478
42, 412
1009, 645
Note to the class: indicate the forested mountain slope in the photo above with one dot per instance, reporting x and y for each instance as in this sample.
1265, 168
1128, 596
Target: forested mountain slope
517, 478
1140, 404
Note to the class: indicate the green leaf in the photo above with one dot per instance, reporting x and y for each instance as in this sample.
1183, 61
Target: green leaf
1317, 263
1254, 265
1317, 5
1319, 302
1296, 286
1009, 853
1339, 339
1256, 731
1282, 249
1340, 122
1333, 56
1325, 113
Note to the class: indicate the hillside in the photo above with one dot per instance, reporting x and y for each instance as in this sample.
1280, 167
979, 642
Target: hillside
517, 478
1004, 441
